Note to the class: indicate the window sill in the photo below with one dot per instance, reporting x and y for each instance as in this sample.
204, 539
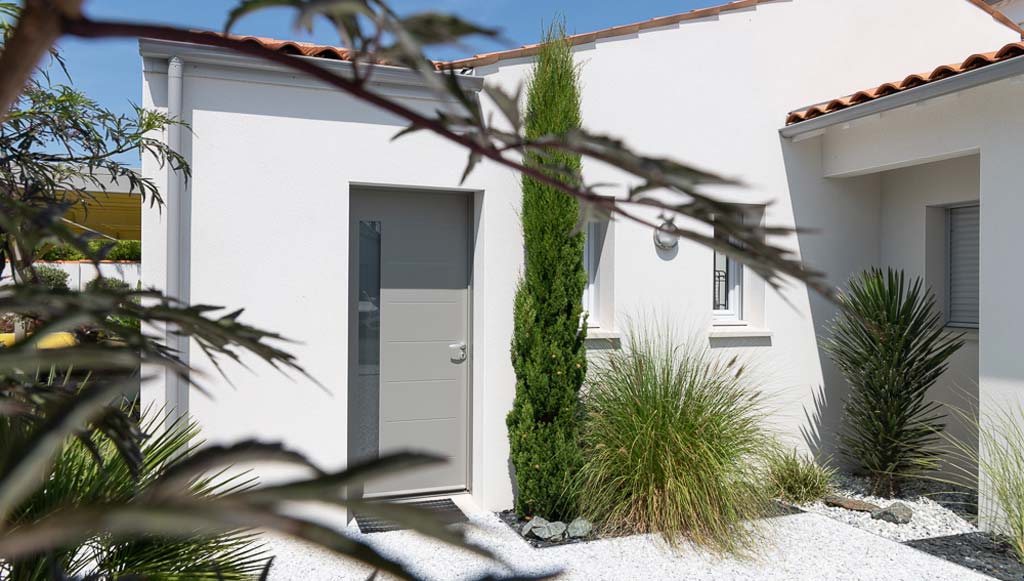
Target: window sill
598, 334
738, 332
970, 333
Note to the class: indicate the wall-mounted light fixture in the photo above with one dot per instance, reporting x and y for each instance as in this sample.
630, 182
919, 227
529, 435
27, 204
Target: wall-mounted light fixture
664, 235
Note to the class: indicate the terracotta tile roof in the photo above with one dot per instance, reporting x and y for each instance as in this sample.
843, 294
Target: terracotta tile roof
301, 48
344, 54
576, 39
975, 61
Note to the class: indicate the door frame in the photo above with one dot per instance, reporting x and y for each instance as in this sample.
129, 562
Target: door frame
474, 198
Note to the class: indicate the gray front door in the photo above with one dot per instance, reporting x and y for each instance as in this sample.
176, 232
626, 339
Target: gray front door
409, 326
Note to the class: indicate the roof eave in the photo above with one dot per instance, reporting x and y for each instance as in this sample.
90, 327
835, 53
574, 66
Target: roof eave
197, 53
966, 80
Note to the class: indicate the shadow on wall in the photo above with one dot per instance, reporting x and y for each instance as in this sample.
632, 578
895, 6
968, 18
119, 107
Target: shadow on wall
840, 222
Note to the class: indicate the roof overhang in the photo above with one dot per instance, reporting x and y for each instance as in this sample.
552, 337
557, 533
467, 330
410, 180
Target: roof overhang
988, 74
382, 76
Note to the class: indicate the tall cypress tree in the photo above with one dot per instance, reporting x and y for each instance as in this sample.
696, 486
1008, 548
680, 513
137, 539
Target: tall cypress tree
547, 347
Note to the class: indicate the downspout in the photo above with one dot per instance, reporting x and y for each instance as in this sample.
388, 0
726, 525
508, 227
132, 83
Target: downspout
176, 390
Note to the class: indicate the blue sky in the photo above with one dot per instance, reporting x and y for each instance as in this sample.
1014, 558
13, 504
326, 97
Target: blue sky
109, 70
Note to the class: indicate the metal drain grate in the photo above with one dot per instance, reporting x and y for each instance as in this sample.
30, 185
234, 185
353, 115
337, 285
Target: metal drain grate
443, 510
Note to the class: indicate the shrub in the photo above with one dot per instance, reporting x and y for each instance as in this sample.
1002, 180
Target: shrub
107, 283
674, 443
890, 343
52, 277
547, 346
797, 479
115, 284
57, 252
98, 473
128, 250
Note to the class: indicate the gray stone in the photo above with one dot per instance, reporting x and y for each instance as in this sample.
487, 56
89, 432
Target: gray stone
579, 528
850, 503
896, 513
551, 532
530, 524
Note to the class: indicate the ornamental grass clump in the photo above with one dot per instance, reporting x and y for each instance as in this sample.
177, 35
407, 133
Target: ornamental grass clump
994, 467
890, 342
796, 479
674, 443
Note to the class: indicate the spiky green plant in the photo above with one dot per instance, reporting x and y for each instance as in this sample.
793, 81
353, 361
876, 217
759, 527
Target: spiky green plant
547, 347
97, 474
890, 343
797, 479
674, 443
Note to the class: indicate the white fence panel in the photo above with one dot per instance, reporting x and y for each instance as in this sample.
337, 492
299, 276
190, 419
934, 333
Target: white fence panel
80, 273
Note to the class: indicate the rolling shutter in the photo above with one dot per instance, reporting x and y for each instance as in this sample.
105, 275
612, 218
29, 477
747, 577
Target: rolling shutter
964, 229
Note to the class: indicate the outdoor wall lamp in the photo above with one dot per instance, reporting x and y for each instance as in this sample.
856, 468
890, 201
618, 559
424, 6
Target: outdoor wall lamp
664, 235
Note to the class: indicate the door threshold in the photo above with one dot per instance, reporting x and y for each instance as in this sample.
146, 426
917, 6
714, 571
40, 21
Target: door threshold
444, 510
421, 495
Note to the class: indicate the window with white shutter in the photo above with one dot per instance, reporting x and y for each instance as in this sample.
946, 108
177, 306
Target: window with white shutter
964, 223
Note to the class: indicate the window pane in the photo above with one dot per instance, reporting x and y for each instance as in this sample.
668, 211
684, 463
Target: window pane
365, 397
721, 294
964, 228
591, 263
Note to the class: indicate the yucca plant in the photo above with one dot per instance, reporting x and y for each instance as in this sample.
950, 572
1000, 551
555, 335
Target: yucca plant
96, 474
674, 443
890, 343
796, 478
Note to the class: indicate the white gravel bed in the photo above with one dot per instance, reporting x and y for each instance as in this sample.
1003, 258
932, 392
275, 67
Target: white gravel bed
930, 518
801, 546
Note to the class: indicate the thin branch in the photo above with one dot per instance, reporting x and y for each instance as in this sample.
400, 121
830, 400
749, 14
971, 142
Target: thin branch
87, 28
38, 29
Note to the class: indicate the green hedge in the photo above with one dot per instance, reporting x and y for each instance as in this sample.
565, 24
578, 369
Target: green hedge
124, 250
106, 283
52, 277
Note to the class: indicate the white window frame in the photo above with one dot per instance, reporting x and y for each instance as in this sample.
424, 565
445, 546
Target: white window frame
734, 292
949, 269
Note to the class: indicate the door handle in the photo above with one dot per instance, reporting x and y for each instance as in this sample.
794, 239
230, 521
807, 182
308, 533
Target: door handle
457, 352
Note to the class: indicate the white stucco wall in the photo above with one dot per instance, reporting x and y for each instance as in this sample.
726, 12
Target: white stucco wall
985, 122
81, 273
722, 112
272, 167
273, 164
908, 196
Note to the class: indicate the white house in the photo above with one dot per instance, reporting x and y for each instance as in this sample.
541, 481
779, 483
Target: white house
398, 282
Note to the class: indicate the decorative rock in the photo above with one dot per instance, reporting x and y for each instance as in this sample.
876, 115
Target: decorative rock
896, 513
531, 524
551, 532
850, 504
579, 528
